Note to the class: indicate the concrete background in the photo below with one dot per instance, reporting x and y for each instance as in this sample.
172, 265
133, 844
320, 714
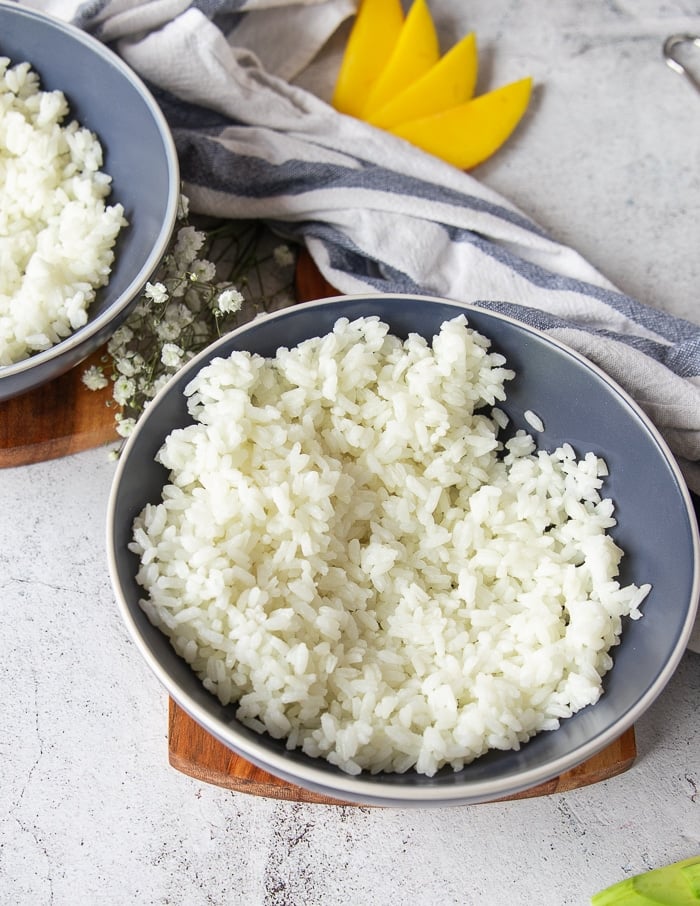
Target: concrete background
607, 161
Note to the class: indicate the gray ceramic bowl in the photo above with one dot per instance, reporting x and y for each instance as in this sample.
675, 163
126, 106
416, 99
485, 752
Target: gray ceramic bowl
107, 97
579, 404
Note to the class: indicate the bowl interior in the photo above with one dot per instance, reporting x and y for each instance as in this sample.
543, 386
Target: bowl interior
577, 404
107, 97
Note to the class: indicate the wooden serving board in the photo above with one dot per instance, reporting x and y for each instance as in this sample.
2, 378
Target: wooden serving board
56, 419
64, 417
193, 751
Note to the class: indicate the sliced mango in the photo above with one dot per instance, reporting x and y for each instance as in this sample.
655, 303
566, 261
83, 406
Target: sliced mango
449, 82
467, 134
372, 39
416, 51
393, 77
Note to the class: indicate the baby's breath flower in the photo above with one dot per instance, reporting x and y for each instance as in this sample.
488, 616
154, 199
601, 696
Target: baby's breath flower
129, 364
156, 292
124, 389
125, 426
283, 256
142, 309
122, 336
189, 241
194, 297
229, 301
171, 355
177, 318
159, 383
180, 314
179, 288
202, 270
169, 330
94, 379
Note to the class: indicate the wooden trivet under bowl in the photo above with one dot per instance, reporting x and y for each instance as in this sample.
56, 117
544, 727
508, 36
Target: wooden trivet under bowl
195, 752
56, 419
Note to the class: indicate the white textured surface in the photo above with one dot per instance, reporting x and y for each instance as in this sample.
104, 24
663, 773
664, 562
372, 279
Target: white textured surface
92, 813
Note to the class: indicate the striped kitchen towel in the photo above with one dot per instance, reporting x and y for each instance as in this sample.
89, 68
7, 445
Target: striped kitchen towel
375, 213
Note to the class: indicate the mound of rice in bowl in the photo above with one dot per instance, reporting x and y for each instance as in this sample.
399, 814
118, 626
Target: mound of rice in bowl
56, 231
347, 550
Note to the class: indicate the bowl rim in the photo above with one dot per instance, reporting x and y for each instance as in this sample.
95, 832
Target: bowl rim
355, 788
160, 243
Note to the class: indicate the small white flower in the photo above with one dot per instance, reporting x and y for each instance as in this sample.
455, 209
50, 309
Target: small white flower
189, 241
122, 336
124, 389
142, 309
177, 318
125, 426
156, 292
181, 315
202, 271
175, 315
168, 331
179, 288
129, 365
283, 256
94, 379
159, 383
229, 301
171, 355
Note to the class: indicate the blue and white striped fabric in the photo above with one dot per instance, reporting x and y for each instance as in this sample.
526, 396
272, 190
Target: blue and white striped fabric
375, 213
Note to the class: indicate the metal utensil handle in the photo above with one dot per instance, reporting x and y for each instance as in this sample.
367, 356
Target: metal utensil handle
671, 44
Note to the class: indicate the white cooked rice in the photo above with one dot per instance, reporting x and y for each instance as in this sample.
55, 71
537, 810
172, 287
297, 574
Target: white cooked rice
533, 420
56, 231
345, 550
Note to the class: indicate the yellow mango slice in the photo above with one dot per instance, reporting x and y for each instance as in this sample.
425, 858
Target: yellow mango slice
467, 134
449, 82
416, 51
372, 39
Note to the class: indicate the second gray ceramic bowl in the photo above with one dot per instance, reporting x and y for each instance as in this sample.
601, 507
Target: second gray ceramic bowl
107, 97
578, 404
